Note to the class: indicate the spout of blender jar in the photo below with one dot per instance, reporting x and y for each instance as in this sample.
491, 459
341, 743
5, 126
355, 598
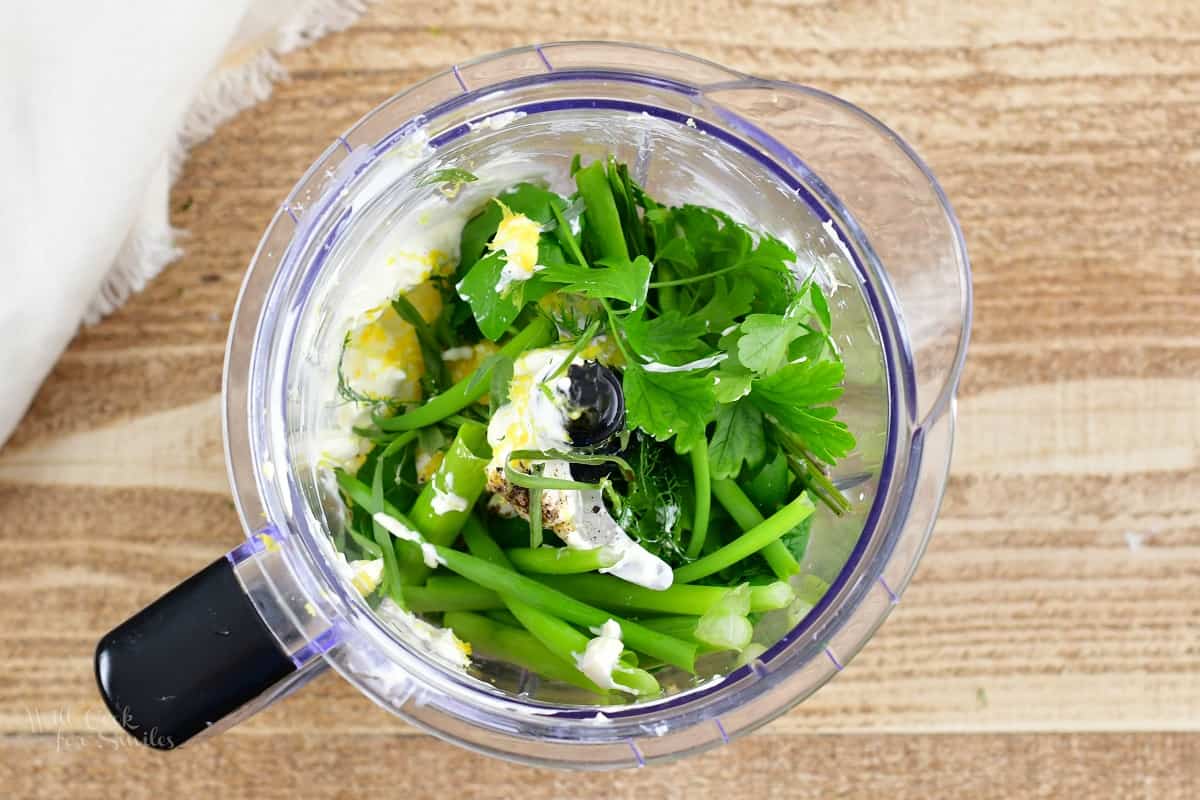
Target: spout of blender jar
197, 660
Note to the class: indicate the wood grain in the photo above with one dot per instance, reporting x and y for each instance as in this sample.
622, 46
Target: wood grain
1050, 645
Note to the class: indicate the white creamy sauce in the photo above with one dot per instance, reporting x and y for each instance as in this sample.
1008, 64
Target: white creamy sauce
601, 656
445, 500
441, 643
425, 237
398, 529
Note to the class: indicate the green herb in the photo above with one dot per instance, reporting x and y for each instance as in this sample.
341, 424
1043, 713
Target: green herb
584, 339
738, 438
731, 378
603, 232
452, 176
669, 338
669, 404
431, 351
798, 398
614, 279
494, 310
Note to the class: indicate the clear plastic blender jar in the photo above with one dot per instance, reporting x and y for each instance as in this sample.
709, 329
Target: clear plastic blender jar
848, 192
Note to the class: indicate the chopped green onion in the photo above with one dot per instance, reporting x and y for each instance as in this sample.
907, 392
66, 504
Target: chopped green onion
747, 516
539, 595
749, 542
610, 592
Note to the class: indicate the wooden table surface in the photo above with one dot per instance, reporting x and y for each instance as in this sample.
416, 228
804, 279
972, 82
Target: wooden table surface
1050, 644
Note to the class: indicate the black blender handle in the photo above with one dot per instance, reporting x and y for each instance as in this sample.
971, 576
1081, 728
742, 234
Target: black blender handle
190, 659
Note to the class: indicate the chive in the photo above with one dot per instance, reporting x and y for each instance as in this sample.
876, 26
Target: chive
540, 482
391, 570
606, 591
703, 490
604, 223
361, 495
679, 626
515, 647
562, 560
567, 238
747, 516
535, 512
431, 351
539, 595
368, 545
575, 458
580, 343
379, 437
537, 333
749, 542
395, 444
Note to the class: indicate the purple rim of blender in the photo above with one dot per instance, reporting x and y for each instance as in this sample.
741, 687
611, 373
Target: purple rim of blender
777, 150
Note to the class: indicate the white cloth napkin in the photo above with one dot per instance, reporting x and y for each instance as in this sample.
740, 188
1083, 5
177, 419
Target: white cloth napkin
99, 102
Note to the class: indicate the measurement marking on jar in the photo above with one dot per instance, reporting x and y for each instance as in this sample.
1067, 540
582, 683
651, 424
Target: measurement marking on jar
641, 760
458, 77
542, 56
721, 730
836, 664
895, 598
345, 144
291, 213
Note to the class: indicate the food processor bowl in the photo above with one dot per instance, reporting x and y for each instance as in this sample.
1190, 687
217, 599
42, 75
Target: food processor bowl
859, 207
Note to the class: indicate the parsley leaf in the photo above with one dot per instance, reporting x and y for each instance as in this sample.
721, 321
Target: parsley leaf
763, 346
666, 404
731, 385
796, 396
727, 304
614, 279
737, 438
820, 305
670, 338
